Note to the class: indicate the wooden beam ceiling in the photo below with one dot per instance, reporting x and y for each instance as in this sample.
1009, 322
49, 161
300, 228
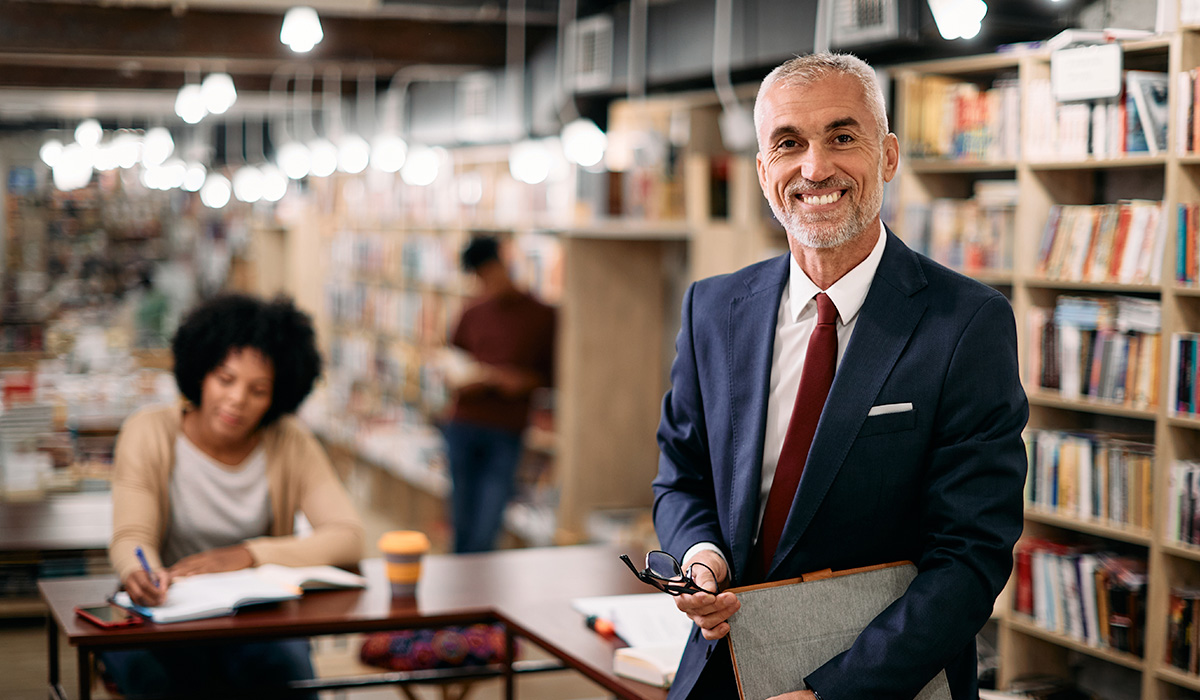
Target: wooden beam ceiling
80, 46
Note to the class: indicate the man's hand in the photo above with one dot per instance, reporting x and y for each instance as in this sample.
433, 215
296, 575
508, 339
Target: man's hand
142, 590
709, 612
214, 561
797, 695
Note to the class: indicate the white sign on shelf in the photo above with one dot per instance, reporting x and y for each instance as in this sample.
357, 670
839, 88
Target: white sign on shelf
1086, 73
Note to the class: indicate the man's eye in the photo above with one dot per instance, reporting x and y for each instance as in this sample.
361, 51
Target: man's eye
844, 138
789, 143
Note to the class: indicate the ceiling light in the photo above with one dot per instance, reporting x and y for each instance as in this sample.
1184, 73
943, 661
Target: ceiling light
50, 152
388, 153
189, 104
958, 19
301, 29
174, 173
294, 159
353, 154
194, 178
127, 148
529, 162
219, 92
420, 167
248, 184
216, 190
274, 183
88, 133
323, 157
73, 169
584, 142
157, 147
105, 158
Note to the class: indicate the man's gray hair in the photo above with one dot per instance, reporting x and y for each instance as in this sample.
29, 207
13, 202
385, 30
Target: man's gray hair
806, 69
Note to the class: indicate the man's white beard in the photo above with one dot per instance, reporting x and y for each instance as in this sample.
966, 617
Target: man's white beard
812, 231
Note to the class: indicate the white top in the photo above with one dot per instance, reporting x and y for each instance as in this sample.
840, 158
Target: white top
793, 328
214, 505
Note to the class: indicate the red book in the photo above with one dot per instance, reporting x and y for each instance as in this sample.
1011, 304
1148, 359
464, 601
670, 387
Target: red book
1024, 568
1114, 257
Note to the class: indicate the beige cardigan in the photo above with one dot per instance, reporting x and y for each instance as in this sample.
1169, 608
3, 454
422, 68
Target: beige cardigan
300, 479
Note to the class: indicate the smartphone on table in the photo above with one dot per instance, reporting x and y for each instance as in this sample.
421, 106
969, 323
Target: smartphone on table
108, 616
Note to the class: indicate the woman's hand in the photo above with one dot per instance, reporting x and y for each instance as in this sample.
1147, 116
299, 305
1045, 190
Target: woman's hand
142, 590
213, 561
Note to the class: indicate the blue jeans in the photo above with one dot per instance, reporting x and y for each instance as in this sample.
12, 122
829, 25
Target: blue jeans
209, 670
483, 467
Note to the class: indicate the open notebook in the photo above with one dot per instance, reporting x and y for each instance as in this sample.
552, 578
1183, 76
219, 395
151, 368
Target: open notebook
213, 595
651, 625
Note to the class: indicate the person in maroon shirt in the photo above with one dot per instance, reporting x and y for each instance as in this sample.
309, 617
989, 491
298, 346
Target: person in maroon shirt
510, 335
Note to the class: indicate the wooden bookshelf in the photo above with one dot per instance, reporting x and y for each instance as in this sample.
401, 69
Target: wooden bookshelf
1026, 626
1044, 181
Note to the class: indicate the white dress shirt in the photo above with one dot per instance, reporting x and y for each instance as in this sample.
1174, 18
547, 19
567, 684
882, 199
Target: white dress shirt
794, 326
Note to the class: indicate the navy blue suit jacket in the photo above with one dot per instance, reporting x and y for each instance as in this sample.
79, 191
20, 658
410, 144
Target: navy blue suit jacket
940, 485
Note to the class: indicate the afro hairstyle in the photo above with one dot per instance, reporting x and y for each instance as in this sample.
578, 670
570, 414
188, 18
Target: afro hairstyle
479, 252
277, 329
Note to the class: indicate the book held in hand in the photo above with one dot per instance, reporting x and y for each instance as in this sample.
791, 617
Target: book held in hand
215, 595
785, 630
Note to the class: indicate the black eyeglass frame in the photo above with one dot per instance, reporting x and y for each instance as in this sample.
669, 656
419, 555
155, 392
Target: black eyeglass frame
676, 586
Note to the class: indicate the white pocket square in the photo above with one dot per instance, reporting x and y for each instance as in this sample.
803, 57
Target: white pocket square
885, 408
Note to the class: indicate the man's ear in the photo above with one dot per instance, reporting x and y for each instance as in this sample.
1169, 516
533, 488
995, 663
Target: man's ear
891, 156
762, 172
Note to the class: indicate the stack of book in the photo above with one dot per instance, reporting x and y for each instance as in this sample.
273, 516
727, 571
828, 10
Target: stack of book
1099, 348
1097, 598
970, 235
1091, 476
1133, 123
1183, 629
945, 118
1183, 502
1120, 243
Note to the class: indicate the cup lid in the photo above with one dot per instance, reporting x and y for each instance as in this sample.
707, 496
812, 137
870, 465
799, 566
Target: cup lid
403, 540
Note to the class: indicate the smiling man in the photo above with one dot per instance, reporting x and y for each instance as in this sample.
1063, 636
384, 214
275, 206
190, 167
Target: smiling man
848, 404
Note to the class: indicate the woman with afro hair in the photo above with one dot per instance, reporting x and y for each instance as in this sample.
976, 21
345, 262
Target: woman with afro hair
215, 484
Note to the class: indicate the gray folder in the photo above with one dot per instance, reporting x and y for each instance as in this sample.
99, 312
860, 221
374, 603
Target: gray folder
785, 630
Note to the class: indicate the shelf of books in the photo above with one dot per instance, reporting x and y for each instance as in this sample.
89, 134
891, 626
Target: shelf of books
1100, 203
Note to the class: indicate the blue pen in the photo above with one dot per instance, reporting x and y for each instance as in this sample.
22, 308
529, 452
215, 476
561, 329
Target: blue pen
146, 566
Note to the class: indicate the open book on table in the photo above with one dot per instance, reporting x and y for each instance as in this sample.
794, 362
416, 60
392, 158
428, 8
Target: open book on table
213, 595
651, 625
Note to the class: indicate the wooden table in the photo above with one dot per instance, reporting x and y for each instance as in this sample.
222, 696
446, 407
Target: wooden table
527, 590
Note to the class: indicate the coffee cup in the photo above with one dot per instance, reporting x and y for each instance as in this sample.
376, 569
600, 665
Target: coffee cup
403, 550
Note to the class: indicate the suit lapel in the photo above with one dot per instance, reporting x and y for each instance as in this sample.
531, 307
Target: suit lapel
752, 320
885, 322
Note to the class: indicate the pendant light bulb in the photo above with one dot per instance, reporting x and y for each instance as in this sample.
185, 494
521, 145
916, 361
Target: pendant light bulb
218, 92
301, 29
88, 133
189, 104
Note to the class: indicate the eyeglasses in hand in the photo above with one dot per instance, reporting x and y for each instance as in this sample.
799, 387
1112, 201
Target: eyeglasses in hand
664, 573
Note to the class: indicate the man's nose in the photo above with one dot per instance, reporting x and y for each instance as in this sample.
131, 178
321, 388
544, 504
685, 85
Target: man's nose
816, 164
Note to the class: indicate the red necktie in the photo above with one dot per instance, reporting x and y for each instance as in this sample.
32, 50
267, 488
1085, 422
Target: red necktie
815, 379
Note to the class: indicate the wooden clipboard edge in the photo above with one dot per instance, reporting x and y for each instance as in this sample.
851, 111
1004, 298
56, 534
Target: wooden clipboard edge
811, 576
817, 576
